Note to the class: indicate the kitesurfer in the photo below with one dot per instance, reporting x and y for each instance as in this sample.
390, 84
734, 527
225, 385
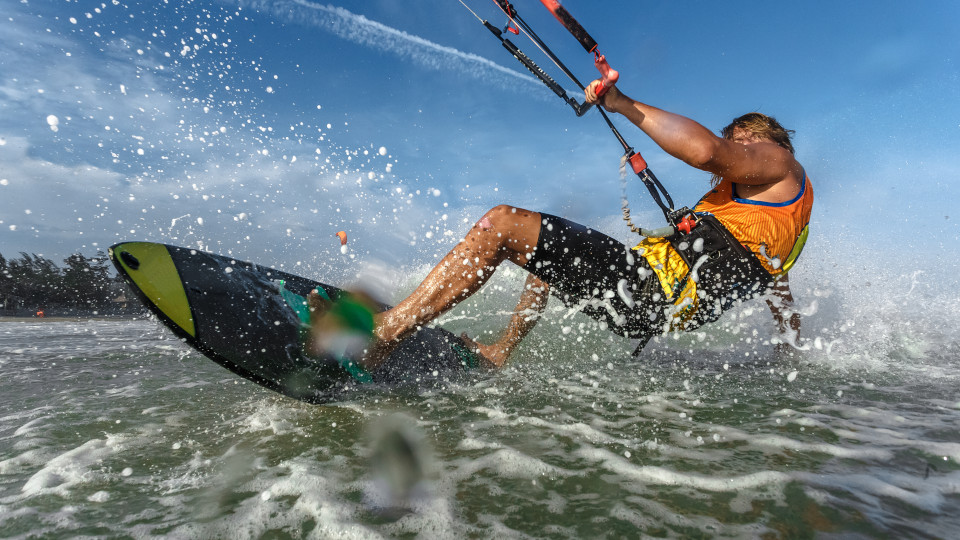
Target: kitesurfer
750, 228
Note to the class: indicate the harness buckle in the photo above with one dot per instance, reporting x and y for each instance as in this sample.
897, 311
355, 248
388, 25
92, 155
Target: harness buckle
686, 224
685, 220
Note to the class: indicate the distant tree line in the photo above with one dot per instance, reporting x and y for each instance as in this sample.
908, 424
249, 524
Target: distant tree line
82, 286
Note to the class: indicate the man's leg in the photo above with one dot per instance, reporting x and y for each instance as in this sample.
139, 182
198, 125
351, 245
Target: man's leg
532, 302
503, 233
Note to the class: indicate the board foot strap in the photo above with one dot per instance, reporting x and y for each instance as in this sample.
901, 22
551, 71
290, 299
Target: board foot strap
301, 307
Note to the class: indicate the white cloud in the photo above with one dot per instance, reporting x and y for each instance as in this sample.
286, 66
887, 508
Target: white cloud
138, 148
273, 212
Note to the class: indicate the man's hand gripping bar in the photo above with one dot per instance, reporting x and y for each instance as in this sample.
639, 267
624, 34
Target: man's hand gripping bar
609, 76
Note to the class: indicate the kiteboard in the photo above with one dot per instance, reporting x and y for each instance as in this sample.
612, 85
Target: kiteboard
253, 320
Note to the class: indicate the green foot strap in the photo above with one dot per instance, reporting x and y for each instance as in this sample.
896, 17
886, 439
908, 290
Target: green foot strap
299, 304
346, 311
468, 358
357, 318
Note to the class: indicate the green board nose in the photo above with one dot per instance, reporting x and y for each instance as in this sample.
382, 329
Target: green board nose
152, 269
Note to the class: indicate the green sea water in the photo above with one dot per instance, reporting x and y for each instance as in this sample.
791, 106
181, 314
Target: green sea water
116, 429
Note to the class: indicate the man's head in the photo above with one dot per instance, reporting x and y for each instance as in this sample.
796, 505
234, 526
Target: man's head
757, 126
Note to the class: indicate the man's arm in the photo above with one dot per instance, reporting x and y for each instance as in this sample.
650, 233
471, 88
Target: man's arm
758, 163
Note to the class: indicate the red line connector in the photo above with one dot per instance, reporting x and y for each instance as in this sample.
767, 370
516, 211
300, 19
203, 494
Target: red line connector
637, 163
686, 224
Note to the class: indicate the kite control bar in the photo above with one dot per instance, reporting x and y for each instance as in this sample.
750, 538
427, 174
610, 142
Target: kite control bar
538, 72
681, 219
608, 75
579, 108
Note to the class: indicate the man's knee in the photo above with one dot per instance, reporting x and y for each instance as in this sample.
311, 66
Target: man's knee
498, 216
509, 228
505, 217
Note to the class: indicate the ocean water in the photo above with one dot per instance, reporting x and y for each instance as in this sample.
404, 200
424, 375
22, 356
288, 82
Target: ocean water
116, 429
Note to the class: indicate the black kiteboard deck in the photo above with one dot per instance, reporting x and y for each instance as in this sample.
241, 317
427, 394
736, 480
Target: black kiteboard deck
252, 320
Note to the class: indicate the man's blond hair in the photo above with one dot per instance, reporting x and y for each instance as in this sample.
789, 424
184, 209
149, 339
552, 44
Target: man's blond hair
761, 125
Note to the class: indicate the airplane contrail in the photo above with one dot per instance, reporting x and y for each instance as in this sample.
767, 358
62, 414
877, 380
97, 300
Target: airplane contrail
363, 31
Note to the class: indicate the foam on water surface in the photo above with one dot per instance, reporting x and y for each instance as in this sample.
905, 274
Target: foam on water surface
565, 436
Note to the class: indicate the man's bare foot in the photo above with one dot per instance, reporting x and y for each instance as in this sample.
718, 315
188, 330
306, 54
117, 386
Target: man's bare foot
492, 355
345, 330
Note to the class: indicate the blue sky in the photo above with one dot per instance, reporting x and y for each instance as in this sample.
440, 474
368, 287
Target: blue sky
261, 128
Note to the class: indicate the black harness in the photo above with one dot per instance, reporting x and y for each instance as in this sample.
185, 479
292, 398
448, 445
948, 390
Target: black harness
725, 272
